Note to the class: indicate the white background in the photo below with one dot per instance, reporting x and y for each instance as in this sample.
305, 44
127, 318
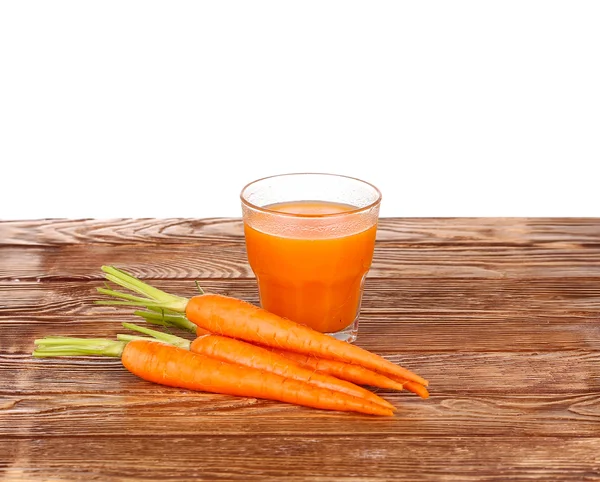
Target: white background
452, 108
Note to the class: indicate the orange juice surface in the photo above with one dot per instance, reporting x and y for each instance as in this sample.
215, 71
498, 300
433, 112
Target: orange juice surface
316, 280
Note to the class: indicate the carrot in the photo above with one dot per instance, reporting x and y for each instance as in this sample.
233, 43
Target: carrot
417, 388
172, 366
238, 319
343, 371
242, 353
354, 373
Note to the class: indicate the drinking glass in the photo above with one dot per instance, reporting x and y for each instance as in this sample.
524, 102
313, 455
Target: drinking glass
310, 240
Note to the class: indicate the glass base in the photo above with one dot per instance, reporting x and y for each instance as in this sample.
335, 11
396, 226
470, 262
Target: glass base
349, 334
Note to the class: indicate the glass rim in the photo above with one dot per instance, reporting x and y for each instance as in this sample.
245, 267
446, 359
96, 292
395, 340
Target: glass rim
297, 215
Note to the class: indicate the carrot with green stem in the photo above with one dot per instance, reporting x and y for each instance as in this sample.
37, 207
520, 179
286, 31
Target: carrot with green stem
344, 371
239, 352
238, 319
169, 365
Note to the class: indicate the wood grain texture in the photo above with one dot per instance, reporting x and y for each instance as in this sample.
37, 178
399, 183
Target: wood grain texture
396, 315
560, 372
501, 315
384, 333
565, 297
297, 458
221, 259
566, 232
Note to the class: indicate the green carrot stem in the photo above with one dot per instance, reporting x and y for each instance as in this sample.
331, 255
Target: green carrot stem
132, 300
126, 284
120, 294
167, 319
154, 318
124, 279
153, 296
170, 339
128, 338
78, 347
163, 310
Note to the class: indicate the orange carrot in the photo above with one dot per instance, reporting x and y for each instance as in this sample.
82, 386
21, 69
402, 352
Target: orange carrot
354, 373
341, 370
172, 366
242, 353
417, 388
238, 319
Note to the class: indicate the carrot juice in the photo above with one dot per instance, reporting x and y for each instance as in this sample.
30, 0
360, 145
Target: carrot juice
311, 277
310, 240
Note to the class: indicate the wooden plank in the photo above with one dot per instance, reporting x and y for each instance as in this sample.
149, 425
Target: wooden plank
212, 259
459, 372
571, 232
384, 334
398, 315
570, 297
80, 262
177, 413
56, 232
295, 459
565, 232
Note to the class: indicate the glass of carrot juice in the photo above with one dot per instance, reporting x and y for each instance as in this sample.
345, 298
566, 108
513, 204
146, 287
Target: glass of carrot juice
310, 240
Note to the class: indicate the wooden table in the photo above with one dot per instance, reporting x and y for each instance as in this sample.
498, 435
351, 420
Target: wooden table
501, 315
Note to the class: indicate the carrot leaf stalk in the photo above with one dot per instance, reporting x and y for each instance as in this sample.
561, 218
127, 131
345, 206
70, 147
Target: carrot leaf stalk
159, 335
152, 297
66, 346
128, 338
160, 317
